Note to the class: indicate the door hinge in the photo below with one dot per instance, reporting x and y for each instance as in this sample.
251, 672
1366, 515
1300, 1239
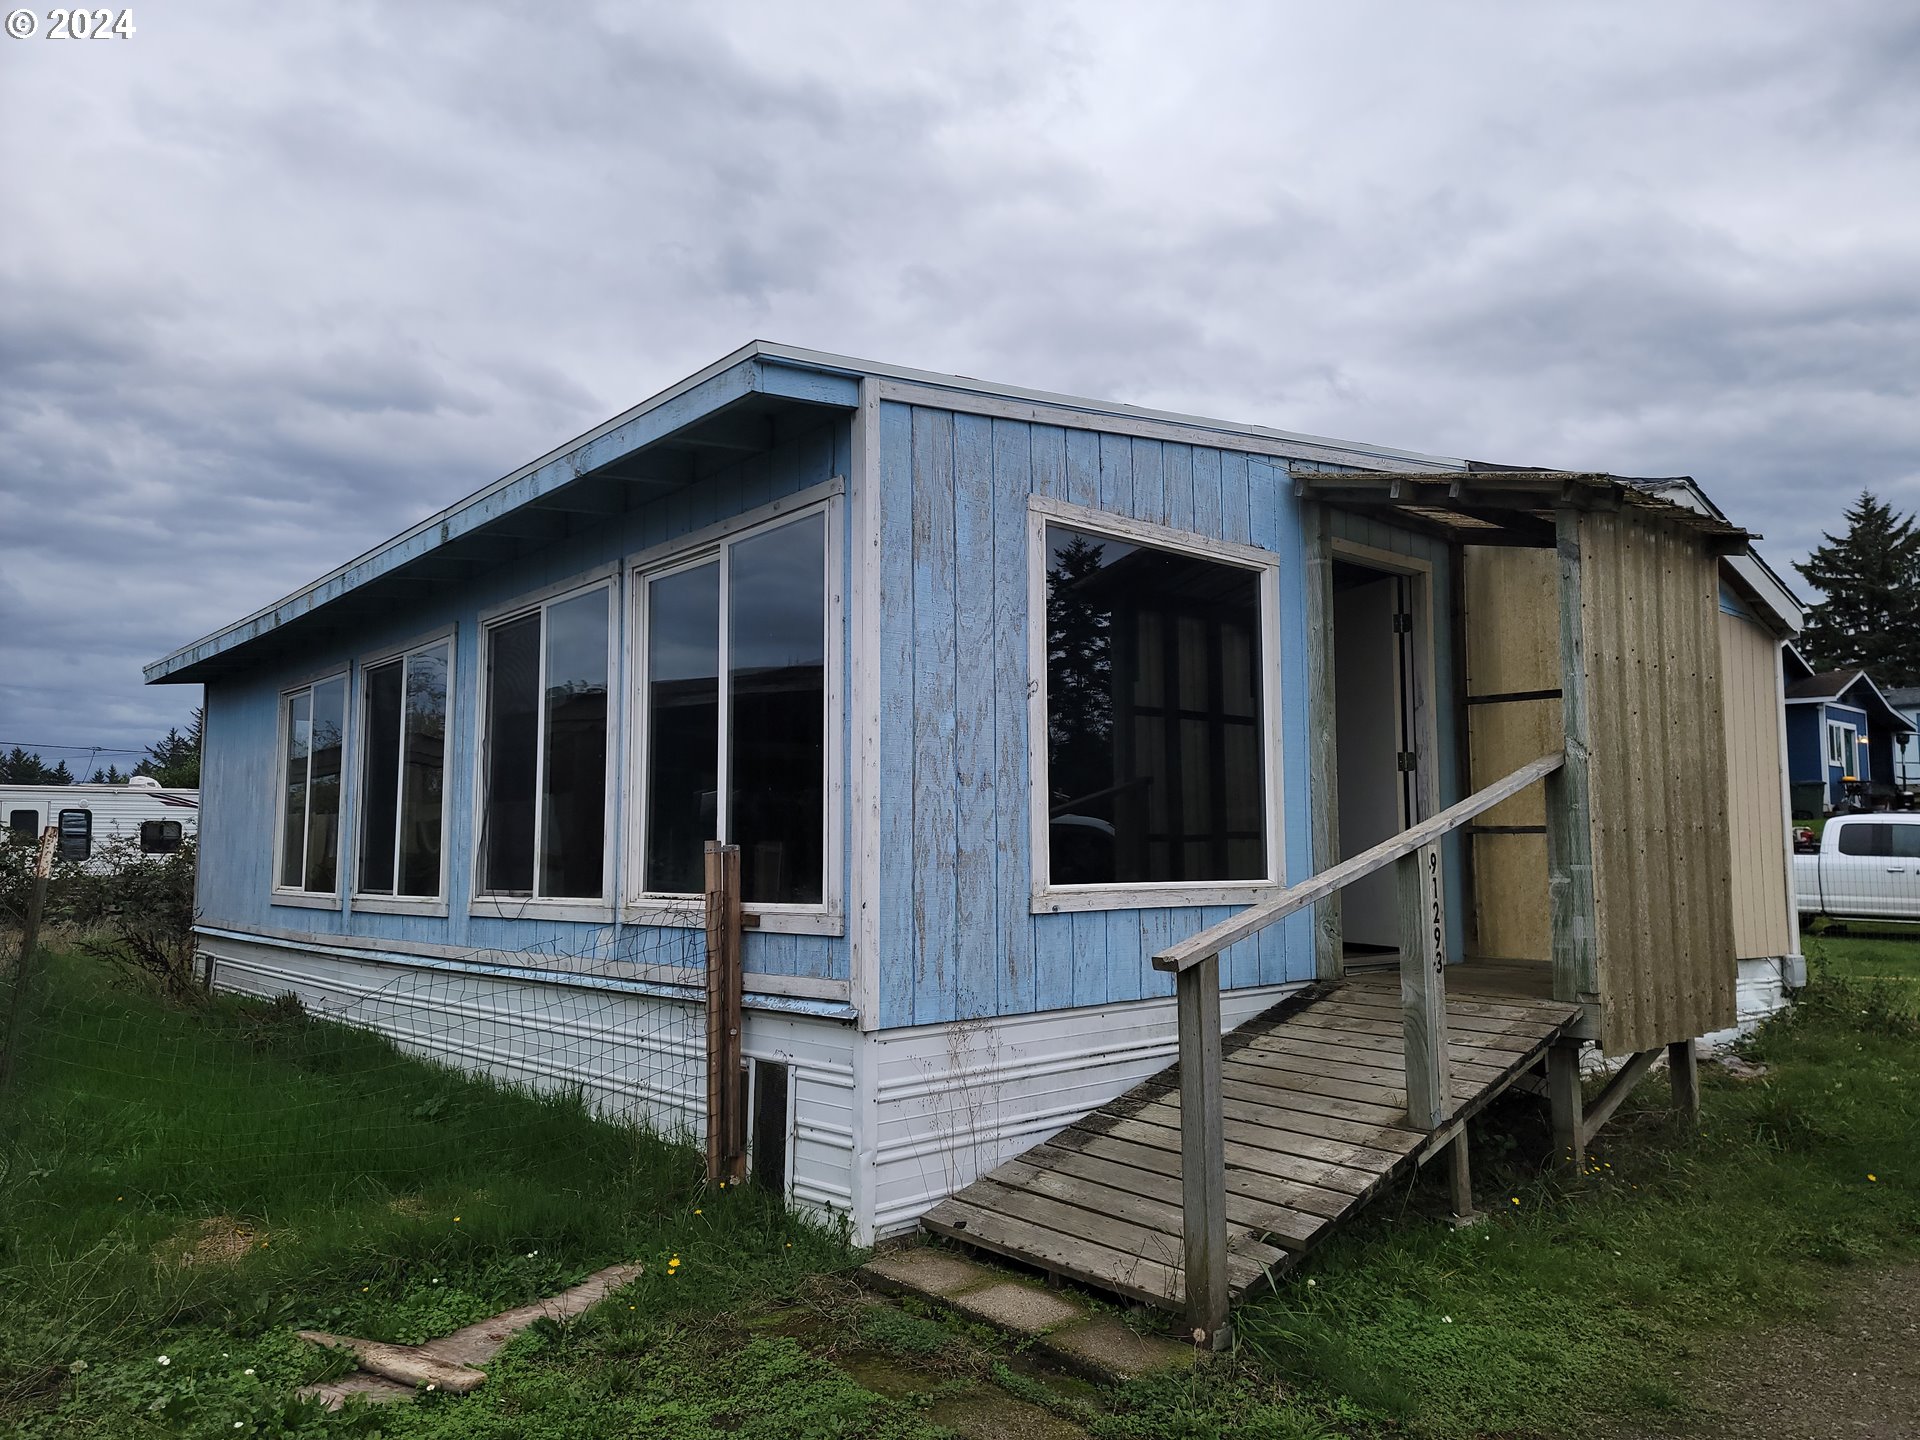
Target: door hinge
1409, 761
1403, 623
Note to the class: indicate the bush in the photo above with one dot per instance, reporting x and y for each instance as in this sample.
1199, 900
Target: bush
135, 909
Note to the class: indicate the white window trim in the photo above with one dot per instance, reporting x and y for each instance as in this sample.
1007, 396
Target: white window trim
375, 903
1050, 899
495, 906
1849, 747
295, 896
690, 551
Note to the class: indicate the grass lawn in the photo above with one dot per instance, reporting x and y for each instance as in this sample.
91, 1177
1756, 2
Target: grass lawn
368, 1194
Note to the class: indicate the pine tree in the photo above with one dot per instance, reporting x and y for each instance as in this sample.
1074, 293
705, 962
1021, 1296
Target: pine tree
21, 767
1870, 577
175, 759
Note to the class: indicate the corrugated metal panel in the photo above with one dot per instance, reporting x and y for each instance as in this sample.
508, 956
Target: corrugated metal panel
1661, 848
1751, 665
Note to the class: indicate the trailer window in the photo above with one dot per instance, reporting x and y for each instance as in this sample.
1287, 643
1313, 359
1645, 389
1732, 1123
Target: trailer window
543, 816
404, 741
23, 824
1153, 704
315, 718
159, 837
735, 698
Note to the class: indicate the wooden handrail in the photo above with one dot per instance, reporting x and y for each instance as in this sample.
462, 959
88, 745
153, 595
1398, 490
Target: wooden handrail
1256, 918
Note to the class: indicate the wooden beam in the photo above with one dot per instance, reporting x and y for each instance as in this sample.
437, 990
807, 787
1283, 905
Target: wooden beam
1623, 1081
1323, 792
1251, 921
1460, 1183
1203, 1160
1423, 987
1683, 1065
1572, 911
1565, 1099
726, 1111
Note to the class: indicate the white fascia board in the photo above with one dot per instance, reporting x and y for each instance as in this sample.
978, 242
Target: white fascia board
966, 385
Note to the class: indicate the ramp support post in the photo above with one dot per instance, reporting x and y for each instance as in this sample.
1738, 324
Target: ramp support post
1683, 1064
1203, 1154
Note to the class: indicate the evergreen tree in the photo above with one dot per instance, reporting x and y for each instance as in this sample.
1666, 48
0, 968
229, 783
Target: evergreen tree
19, 767
109, 776
174, 760
1870, 577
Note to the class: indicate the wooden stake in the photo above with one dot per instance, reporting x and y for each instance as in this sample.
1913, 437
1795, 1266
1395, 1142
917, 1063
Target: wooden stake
1460, 1182
726, 1108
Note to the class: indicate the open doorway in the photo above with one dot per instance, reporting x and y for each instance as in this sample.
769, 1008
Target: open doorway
1376, 740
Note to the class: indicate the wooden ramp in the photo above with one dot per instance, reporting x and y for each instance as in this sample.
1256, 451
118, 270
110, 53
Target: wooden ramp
1316, 1124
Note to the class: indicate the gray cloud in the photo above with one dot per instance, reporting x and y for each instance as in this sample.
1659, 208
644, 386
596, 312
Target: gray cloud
272, 288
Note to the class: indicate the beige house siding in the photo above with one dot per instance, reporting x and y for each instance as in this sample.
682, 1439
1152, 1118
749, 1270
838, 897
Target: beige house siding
1750, 665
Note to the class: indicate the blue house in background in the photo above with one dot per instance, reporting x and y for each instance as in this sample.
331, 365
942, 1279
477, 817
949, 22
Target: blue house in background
1906, 748
999, 692
1843, 734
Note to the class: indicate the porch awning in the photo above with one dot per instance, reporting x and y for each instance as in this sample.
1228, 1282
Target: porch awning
1512, 507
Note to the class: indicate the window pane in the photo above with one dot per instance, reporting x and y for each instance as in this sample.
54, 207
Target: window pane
777, 689
423, 778
1906, 841
575, 788
1153, 715
293, 802
379, 765
683, 727
24, 822
513, 721
323, 797
159, 837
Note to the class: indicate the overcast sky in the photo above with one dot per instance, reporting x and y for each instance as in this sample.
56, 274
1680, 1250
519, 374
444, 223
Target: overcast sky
277, 281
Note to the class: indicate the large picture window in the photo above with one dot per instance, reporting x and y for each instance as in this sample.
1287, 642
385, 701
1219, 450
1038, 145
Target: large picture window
314, 721
735, 696
543, 810
1155, 770
403, 777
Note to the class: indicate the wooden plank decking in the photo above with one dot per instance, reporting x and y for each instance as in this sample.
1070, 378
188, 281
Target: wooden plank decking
1315, 1107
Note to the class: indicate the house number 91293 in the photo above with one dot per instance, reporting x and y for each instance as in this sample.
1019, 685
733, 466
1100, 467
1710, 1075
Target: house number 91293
1439, 916
72, 24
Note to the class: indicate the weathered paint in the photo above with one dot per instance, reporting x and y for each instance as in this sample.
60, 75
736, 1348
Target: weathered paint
957, 939
240, 780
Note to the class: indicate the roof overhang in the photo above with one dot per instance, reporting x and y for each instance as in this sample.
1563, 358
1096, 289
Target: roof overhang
1506, 507
744, 404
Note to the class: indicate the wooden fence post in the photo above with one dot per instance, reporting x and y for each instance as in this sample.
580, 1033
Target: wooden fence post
1203, 1158
1423, 986
726, 1111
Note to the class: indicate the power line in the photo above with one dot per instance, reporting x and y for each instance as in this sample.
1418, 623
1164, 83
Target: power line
74, 749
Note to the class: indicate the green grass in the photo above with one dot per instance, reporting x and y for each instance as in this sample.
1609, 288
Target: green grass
1594, 1298
368, 1193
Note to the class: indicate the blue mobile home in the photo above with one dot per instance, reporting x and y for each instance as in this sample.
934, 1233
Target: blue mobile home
999, 692
1842, 737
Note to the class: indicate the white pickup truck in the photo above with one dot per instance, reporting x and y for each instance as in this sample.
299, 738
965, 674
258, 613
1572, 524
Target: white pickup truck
1867, 868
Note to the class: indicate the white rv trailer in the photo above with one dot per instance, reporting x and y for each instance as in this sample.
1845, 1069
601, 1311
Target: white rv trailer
155, 819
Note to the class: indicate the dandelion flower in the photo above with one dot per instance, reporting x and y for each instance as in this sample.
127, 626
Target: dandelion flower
696, 1212
1311, 1283
163, 1361
1874, 1178
1516, 1199
456, 1219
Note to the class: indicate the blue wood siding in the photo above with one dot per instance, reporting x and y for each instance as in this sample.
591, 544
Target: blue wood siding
957, 936
241, 777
